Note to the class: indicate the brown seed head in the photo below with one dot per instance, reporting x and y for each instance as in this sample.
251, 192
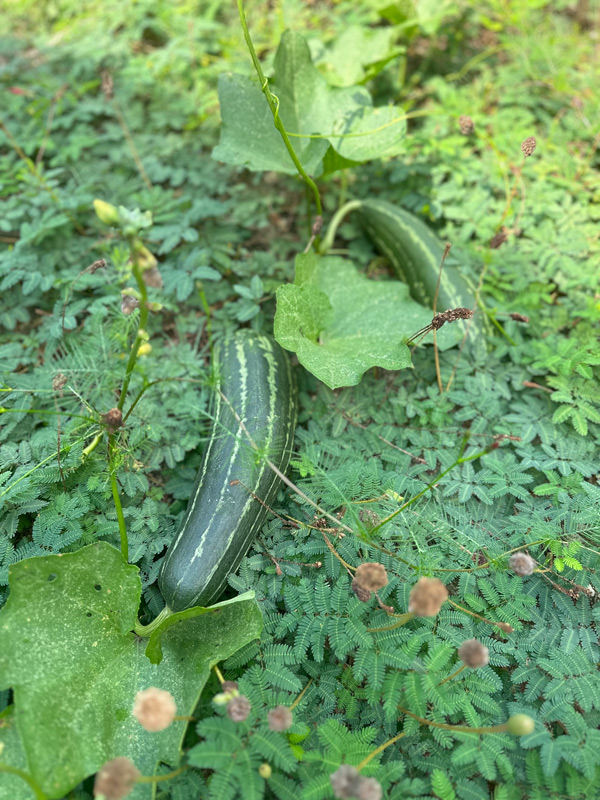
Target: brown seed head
238, 708
466, 125
153, 278
519, 317
58, 381
427, 597
154, 709
345, 781
505, 627
113, 419
96, 265
229, 686
498, 239
369, 789
371, 576
279, 718
521, 564
115, 779
528, 146
474, 654
128, 303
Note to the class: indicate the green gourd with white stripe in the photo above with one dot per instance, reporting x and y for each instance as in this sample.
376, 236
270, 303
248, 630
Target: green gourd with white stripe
224, 515
415, 253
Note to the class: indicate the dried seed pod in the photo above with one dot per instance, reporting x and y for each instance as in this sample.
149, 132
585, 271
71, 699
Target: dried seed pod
427, 597
113, 419
528, 146
364, 595
345, 781
520, 725
96, 265
128, 303
466, 125
280, 718
58, 381
153, 278
369, 789
521, 563
154, 709
498, 239
371, 576
519, 317
115, 779
474, 654
238, 708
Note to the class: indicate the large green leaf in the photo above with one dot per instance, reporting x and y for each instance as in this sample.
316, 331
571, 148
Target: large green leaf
307, 105
67, 650
340, 323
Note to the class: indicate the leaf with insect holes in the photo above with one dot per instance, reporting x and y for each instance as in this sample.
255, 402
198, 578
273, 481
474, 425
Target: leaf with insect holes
68, 652
340, 323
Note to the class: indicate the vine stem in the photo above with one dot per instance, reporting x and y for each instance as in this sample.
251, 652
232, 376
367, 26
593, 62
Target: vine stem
39, 794
459, 460
454, 674
146, 630
159, 778
273, 102
335, 223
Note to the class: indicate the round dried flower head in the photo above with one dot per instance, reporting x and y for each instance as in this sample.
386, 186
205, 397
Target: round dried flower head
238, 708
520, 725
474, 654
116, 779
522, 564
427, 597
279, 718
466, 125
505, 627
528, 146
229, 686
369, 789
371, 576
345, 781
128, 303
59, 381
364, 595
154, 709
113, 419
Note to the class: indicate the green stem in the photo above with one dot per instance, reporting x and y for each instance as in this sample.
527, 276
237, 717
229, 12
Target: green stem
458, 728
273, 102
153, 383
378, 750
27, 778
159, 778
139, 339
454, 674
339, 215
429, 486
146, 630
41, 411
117, 500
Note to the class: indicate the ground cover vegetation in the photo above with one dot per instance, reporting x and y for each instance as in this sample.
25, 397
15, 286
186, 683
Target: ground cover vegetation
418, 618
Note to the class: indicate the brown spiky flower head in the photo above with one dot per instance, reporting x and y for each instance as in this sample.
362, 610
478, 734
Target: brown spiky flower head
466, 125
279, 718
427, 597
522, 564
474, 654
154, 709
116, 779
528, 146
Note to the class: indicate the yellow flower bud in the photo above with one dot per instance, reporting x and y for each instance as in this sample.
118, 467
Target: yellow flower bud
106, 212
265, 771
145, 349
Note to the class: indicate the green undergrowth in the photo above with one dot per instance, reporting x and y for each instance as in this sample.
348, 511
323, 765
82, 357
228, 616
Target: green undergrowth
225, 240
